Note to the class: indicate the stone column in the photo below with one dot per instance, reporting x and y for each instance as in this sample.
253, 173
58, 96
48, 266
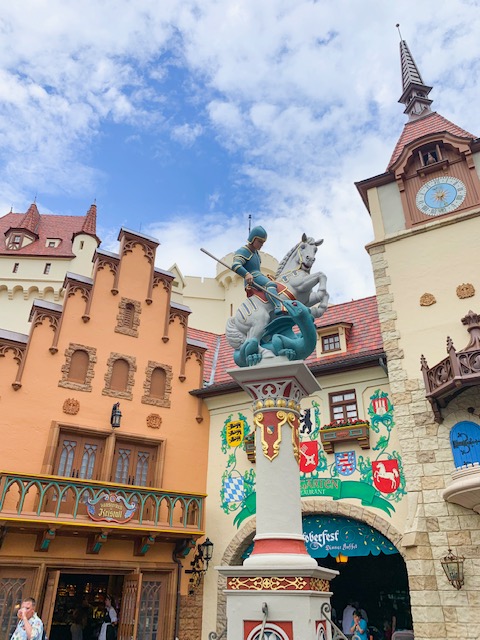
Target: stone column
280, 577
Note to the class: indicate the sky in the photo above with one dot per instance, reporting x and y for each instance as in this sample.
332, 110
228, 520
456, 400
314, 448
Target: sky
183, 118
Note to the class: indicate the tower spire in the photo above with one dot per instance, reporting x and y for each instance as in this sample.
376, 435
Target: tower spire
415, 91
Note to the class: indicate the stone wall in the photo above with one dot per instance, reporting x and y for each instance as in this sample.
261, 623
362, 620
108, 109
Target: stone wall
190, 620
433, 526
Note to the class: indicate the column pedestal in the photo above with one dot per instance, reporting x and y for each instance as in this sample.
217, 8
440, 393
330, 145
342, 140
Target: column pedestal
280, 577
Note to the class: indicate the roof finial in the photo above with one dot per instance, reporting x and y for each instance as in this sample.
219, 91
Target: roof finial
399, 32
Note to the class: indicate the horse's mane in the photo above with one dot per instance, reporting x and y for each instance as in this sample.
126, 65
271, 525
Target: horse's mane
292, 251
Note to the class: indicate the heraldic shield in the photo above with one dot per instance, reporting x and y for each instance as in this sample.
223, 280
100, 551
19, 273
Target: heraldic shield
386, 476
308, 456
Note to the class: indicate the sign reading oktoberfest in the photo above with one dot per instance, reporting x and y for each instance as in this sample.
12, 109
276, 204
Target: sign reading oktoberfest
110, 507
331, 535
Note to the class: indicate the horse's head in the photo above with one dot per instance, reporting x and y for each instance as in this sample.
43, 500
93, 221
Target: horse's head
306, 251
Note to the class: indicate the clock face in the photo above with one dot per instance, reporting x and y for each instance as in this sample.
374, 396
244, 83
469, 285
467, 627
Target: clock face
440, 195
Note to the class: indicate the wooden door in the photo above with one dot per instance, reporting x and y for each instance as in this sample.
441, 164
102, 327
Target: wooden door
134, 464
128, 619
15, 585
49, 601
154, 619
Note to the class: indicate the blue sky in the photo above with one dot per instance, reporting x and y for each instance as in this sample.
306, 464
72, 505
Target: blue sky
184, 117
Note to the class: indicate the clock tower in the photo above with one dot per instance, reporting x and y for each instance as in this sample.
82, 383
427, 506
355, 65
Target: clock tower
425, 211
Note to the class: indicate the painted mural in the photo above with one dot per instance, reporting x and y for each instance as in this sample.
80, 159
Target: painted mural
237, 493
329, 466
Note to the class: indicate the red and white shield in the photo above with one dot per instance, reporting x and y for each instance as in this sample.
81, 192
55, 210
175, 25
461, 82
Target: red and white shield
380, 406
308, 456
386, 475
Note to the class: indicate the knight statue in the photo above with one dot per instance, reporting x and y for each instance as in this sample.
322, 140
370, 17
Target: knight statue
263, 326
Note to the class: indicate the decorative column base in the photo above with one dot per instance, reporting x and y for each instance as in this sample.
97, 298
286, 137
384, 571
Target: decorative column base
293, 602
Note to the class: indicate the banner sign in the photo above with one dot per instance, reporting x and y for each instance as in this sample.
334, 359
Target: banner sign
331, 535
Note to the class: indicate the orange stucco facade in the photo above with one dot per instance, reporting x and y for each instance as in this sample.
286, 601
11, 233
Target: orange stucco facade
117, 339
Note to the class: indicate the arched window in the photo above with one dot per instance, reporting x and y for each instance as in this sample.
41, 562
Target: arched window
78, 370
158, 383
465, 443
78, 366
119, 378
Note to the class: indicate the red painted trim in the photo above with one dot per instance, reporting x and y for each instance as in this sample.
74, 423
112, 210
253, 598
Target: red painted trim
279, 545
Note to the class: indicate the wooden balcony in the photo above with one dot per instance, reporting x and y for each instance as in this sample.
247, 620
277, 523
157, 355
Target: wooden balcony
53, 503
457, 372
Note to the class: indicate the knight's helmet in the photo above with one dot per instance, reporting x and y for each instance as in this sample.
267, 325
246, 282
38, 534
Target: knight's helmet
257, 232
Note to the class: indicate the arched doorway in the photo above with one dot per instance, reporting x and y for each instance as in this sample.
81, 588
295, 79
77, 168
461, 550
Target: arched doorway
372, 573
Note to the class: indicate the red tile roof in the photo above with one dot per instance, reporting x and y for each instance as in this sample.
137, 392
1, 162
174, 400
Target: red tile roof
433, 122
46, 226
363, 339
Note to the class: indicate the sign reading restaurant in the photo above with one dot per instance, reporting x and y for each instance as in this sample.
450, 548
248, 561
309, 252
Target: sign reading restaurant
110, 507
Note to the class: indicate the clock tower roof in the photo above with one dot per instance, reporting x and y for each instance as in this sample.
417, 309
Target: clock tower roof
430, 123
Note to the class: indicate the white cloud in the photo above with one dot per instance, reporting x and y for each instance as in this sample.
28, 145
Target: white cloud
186, 134
302, 94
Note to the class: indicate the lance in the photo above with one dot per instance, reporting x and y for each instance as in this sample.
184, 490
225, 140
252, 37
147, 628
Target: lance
254, 284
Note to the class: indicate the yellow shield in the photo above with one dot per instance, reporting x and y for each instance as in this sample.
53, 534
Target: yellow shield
235, 432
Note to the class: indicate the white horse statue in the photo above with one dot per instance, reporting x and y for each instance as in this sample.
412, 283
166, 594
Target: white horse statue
294, 282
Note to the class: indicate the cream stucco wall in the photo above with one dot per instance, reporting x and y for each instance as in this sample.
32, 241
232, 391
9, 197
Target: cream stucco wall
19, 290
435, 258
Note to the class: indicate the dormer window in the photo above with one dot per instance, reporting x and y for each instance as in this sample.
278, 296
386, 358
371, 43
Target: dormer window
15, 242
52, 242
331, 342
332, 339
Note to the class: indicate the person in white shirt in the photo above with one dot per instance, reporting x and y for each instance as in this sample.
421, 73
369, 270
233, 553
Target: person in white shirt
110, 620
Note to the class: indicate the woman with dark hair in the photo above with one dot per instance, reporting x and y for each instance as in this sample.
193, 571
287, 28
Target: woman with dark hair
359, 627
108, 629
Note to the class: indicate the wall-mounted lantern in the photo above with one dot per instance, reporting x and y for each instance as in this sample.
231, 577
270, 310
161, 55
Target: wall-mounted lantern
453, 567
199, 564
116, 416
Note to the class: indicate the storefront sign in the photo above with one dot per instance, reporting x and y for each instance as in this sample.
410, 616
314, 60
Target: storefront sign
331, 535
110, 507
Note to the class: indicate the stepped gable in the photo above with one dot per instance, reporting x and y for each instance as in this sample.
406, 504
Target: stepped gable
364, 341
48, 226
430, 123
212, 340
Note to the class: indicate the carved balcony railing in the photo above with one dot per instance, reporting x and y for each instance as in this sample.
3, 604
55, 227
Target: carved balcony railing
62, 502
458, 371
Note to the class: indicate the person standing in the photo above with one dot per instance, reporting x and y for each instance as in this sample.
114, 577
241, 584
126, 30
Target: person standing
29, 626
110, 619
246, 262
347, 619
